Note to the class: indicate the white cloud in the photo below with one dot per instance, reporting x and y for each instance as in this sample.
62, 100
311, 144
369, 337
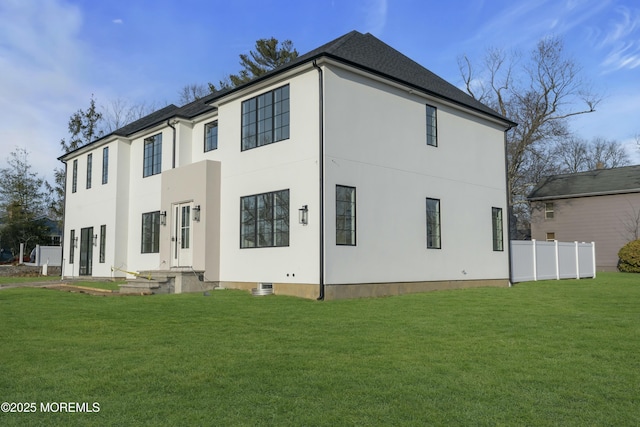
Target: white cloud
621, 41
43, 59
118, 21
375, 15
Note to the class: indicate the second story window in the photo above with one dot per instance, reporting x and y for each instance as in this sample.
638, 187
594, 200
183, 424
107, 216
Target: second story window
548, 210
432, 126
89, 169
152, 155
211, 136
74, 178
105, 165
265, 118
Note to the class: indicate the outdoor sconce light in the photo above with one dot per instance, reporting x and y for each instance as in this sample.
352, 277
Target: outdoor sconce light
163, 217
95, 240
75, 242
303, 215
196, 213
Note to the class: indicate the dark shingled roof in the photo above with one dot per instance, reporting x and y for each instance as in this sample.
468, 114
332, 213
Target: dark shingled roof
368, 53
362, 51
600, 181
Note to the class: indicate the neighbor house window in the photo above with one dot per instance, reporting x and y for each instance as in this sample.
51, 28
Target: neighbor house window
74, 180
152, 155
211, 136
345, 215
105, 165
551, 237
103, 242
432, 126
548, 210
264, 220
496, 227
72, 246
151, 232
433, 224
89, 169
265, 118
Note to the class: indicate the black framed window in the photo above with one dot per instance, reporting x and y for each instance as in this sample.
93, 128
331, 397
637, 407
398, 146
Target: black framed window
74, 179
496, 228
211, 136
72, 246
433, 224
265, 118
103, 242
150, 232
345, 215
152, 155
432, 126
264, 220
105, 165
89, 169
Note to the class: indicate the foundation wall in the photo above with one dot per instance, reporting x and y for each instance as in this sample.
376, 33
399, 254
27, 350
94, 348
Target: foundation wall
366, 290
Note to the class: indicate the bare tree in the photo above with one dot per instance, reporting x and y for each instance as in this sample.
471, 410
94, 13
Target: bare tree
120, 112
578, 155
540, 93
192, 92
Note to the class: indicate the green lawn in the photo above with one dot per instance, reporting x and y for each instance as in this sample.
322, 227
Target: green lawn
8, 280
555, 353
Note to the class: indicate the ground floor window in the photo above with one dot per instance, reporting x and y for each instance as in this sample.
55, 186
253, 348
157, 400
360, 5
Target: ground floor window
264, 220
496, 226
103, 242
433, 224
345, 215
150, 232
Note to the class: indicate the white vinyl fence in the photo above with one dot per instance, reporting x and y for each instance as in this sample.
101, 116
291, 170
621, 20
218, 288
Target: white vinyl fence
50, 255
533, 260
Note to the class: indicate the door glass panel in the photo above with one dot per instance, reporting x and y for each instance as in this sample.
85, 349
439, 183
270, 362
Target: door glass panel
185, 226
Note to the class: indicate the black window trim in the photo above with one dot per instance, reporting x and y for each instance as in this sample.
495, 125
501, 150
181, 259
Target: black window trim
435, 127
255, 233
213, 123
256, 121
439, 246
355, 216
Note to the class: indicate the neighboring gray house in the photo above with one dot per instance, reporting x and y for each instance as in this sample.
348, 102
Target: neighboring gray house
601, 206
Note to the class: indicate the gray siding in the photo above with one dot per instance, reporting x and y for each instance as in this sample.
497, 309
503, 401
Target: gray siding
609, 221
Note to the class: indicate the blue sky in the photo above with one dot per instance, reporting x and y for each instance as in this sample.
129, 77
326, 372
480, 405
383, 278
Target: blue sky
54, 54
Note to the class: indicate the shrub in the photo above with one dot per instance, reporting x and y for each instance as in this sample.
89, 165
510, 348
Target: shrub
629, 257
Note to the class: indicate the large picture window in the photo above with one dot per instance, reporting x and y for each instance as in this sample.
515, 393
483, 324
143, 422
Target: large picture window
432, 126
152, 155
211, 136
265, 118
264, 220
151, 232
433, 224
496, 227
345, 215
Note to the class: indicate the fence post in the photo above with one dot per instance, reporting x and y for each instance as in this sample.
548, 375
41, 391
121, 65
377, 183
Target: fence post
557, 261
21, 253
577, 262
535, 261
593, 254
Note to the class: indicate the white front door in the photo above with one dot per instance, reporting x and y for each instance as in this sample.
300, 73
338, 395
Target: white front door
182, 235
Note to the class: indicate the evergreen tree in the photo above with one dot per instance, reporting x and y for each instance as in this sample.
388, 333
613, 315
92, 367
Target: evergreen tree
23, 202
268, 55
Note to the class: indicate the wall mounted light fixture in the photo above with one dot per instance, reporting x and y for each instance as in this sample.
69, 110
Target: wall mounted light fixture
196, 213
303, 215
163, 217
95, 240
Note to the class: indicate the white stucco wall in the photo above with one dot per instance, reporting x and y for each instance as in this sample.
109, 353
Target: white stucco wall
102, 204
376, 142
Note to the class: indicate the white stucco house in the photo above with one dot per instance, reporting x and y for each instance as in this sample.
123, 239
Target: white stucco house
351, 171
